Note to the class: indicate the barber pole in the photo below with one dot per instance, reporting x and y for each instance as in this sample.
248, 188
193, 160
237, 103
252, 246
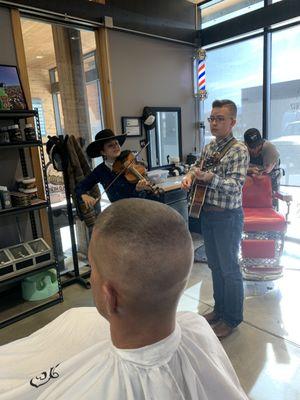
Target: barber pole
200, 95
200, 74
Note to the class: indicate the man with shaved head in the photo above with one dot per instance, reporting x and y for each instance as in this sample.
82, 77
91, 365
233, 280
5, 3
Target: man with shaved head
141, 255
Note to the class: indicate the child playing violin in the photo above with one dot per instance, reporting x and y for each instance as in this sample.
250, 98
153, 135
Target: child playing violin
108, 145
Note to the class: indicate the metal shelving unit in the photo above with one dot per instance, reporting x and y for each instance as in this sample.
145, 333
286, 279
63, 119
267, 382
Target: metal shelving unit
21, 145
28, 308
37, 205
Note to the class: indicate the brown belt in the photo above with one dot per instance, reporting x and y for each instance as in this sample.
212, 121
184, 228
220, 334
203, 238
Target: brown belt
208, 207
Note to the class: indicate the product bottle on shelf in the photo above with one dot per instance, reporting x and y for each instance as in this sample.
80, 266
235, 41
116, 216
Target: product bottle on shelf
30, 134
15, 134
5, 197
4, 135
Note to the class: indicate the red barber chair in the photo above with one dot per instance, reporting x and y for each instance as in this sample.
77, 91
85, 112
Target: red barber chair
264, 230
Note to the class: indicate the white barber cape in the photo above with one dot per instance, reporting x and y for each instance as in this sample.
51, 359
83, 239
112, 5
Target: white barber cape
73, 358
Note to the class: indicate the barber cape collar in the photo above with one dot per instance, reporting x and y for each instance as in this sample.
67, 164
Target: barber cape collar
153, 355
102, 137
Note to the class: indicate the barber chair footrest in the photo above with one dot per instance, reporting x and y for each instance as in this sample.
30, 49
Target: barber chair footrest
257, 273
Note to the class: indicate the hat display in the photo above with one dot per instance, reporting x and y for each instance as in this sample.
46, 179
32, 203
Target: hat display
252, 137
148, 118
102, 137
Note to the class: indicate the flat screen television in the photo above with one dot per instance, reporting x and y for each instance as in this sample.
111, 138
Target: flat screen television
11, 93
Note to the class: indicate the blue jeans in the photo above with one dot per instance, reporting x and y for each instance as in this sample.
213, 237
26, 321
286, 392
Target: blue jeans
222, 233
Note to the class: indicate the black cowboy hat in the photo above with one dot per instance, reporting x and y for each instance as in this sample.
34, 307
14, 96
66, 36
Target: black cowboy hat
102, 137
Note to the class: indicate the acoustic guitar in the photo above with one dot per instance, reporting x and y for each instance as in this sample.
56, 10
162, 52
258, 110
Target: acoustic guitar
199, 188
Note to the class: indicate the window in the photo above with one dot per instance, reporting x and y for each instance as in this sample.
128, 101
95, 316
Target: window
37, 104
63, 78
217, 11
285, 101
57, 107
92, 91
238, 79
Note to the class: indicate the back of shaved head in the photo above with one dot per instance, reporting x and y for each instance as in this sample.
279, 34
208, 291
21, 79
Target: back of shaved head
145, 250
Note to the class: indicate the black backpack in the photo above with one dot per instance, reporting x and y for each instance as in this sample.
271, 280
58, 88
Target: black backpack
55, 148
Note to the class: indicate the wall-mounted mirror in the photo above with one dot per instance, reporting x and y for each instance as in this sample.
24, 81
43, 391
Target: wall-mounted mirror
165, 138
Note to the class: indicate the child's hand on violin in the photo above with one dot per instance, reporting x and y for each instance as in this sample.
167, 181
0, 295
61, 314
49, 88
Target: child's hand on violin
89, 201
142, 184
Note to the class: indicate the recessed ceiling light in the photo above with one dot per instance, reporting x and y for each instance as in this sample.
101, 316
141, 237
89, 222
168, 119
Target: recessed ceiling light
39, 57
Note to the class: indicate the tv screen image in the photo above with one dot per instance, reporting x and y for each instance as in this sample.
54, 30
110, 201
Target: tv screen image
11, 92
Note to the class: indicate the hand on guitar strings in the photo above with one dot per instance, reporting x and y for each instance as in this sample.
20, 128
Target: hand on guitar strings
204, 176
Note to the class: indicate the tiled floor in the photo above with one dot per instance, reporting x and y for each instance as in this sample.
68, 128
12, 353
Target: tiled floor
265, 349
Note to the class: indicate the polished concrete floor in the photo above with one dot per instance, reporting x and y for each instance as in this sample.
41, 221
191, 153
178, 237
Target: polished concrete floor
264, 349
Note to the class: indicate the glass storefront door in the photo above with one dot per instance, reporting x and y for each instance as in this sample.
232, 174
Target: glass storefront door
64, 83
285, 115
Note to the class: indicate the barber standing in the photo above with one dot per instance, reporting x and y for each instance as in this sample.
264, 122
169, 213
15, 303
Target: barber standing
222, 216
264, 157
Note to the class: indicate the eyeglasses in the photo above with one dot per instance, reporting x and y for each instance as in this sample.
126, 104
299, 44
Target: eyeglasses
217, 119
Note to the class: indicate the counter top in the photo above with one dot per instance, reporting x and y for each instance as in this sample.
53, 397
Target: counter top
172, 183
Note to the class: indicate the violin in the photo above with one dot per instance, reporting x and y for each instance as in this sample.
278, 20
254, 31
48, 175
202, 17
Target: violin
127, 165
133, 172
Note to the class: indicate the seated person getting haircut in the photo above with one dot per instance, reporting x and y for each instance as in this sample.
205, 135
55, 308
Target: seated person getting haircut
141, 254
264, 157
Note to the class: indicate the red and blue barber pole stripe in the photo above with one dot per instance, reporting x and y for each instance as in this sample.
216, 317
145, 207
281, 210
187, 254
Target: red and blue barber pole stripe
201, 75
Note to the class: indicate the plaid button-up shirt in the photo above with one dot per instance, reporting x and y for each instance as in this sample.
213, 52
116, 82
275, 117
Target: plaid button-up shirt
225, 189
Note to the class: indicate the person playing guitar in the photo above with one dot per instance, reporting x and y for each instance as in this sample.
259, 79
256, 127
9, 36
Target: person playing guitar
222, 215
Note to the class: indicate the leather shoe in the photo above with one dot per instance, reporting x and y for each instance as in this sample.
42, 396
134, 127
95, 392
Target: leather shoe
212, 317
222, 330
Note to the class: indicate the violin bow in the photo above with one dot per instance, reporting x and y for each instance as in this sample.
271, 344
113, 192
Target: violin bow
121, 172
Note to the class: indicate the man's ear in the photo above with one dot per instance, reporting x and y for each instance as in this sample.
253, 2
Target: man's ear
233, 122
110, 298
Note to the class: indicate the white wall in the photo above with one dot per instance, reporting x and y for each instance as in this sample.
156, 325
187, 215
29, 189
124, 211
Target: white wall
152, 72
